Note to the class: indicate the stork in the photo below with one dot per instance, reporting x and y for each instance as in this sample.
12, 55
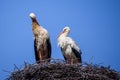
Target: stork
70, 50
42, 45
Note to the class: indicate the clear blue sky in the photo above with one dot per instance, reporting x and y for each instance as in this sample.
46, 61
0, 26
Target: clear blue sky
95, 26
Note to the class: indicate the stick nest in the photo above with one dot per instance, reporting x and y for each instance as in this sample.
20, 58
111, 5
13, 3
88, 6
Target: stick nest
59, 70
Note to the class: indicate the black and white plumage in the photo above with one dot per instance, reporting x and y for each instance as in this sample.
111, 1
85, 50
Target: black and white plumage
42, 45
69, 48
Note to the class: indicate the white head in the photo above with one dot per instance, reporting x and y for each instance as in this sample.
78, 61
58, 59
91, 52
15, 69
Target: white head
65, 32
32, 15
66, 29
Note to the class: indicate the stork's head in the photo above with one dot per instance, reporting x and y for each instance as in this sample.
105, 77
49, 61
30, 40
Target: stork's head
65, 32
66, 29
32, 16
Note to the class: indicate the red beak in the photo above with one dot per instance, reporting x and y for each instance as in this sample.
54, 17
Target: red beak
60, 34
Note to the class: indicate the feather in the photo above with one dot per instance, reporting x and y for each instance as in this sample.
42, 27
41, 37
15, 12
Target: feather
35, 50
77, 54
49, 47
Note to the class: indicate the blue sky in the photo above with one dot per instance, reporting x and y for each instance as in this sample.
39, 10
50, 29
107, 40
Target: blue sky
95, 26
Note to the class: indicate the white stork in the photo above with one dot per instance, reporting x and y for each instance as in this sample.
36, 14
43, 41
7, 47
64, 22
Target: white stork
70, 50
42, 45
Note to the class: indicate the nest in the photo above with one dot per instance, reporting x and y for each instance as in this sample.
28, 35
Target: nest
59, 70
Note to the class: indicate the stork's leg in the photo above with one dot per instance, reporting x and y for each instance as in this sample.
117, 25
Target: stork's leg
68, 61
72, 61
40, 55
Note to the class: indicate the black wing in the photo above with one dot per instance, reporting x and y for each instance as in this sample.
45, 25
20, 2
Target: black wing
35, 50
77, 54
48, 48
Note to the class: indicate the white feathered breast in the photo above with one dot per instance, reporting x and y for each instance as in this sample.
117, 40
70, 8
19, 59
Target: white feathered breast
68, 43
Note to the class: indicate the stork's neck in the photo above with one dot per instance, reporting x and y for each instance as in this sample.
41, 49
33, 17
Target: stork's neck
35, 21
35, 24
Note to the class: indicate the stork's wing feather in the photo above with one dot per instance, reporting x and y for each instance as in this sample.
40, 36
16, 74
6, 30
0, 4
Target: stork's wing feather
35, 50
48, 47
77, 52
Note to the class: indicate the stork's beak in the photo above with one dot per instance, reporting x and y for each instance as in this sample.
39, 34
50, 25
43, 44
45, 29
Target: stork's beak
60, 34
